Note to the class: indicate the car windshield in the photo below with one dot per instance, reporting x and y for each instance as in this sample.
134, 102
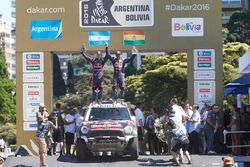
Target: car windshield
109, 114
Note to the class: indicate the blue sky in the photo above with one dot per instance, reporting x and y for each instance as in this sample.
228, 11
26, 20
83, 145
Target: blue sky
5, 10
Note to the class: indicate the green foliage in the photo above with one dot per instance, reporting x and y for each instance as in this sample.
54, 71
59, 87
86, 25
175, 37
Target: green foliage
239, 27
231, 54
230, 73
71, 78
7, 89
160, 79
59, 88
130, 70
8, 132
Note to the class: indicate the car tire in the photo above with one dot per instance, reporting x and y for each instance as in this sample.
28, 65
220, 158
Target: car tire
81, 153
133, 149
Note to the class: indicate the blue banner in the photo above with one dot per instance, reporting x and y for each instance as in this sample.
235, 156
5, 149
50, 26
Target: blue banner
97, 38
45, 29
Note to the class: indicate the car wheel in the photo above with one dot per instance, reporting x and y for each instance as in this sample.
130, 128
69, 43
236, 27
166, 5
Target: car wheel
80, 150
133, 149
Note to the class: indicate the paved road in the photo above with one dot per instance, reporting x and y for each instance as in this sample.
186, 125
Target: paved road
55, 161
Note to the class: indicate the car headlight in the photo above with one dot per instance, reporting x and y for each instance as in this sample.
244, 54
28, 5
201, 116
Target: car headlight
84, 130
128, 130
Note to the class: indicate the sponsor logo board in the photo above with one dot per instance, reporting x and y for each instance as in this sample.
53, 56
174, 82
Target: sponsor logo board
45, 29
187, 27
204, 92
33, 62
33, 95
204, 75
116, 13
33, 77
29, 126
204, 59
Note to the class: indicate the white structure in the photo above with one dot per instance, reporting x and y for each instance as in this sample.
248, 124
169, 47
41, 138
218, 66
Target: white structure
231, 6
8, 47
244, 63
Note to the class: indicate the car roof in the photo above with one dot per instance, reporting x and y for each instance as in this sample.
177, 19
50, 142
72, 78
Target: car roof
108, 105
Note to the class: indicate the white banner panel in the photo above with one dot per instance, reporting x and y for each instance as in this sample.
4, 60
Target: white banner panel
33, 95
204, 59
118, 13
30, 126
204, 92
187, 27
204, 75
33, 77
33, 62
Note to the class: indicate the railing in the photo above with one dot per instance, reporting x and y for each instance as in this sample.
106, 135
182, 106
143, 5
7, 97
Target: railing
232, 3
225, 133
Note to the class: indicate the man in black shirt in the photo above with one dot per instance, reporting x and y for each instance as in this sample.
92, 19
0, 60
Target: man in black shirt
58, 135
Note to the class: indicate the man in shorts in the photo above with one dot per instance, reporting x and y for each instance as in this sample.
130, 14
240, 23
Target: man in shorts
58, 135
180, 139
43, 126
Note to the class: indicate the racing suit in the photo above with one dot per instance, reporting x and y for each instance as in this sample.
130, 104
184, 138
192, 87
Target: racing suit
97, 73
118, 76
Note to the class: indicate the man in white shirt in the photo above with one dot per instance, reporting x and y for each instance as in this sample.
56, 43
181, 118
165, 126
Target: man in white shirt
70, 128
2, 145
140, 126
194, 130
180, 115
178, 119
189, 112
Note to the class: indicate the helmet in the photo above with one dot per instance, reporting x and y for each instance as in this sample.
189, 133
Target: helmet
99, 2
118, 52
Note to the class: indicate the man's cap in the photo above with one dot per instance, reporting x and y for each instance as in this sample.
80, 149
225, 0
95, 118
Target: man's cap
99, 52
118, 52
99, 2
215, 106
42, 105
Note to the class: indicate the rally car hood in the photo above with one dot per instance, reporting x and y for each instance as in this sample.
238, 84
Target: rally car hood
104, 125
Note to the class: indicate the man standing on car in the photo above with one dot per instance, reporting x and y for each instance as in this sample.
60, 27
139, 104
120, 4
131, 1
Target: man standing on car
97, 71
140, 126
119, 67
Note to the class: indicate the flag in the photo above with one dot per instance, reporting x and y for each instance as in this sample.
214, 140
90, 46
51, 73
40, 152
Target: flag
134, 37
97, 38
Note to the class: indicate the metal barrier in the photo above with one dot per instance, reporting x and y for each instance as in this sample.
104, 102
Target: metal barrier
225, 133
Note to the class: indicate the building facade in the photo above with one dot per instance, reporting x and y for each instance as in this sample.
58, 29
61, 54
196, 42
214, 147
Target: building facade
231, 6
8, 47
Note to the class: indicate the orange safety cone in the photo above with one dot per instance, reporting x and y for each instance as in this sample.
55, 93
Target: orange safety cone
228, 162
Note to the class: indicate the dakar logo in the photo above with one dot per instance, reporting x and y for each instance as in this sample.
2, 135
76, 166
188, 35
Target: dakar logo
99, 13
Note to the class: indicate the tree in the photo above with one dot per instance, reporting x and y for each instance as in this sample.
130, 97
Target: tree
7, 89
231, 54
70, 79
160, 79
239, 27
59, 88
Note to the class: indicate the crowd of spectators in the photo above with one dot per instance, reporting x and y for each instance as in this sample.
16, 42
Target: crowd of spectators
204, 128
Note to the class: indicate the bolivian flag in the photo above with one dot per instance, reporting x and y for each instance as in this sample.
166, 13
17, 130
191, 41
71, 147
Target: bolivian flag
134, 37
